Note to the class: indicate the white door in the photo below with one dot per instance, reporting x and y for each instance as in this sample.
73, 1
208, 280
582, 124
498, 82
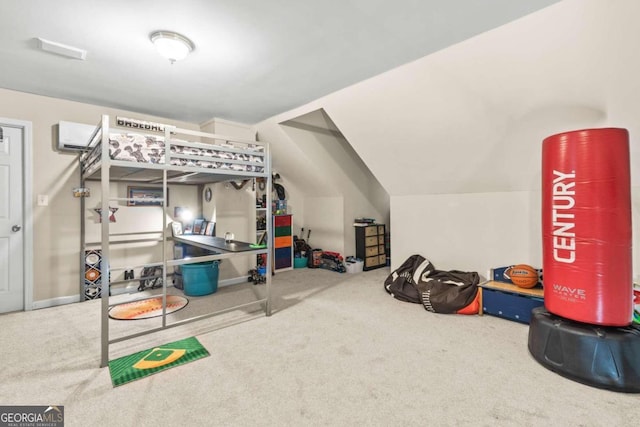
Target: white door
11, 219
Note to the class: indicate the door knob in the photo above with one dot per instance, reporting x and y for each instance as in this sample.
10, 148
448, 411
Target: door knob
16, 228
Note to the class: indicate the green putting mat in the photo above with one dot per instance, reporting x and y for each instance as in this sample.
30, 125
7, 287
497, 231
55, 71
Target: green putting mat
147, 362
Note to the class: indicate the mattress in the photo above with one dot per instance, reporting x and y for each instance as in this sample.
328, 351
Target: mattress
141, 148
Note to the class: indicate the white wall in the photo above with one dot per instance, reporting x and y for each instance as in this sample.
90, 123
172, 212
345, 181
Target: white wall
232, 209
134, 222
478, 231
323, 216
358, 192
229, 128
457, 133
328, 183
448, 136
57, 226
469, 232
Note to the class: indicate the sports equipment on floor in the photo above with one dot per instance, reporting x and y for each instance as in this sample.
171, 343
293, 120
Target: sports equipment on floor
523, 276
599, 356
586, 226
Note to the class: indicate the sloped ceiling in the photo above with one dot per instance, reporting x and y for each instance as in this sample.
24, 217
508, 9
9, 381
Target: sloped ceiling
471, 118
253, 59
318, 138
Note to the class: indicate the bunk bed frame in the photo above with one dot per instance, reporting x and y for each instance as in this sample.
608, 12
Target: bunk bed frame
182, 164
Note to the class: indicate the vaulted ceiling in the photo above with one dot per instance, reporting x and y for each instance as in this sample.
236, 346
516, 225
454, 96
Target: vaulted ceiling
471, 118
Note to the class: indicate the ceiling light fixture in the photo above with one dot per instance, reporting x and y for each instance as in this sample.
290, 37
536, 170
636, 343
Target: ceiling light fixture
172, 46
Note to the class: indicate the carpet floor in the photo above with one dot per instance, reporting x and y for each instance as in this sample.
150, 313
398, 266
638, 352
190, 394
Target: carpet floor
338, 351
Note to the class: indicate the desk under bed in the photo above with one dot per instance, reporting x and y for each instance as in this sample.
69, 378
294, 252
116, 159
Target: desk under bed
175, 156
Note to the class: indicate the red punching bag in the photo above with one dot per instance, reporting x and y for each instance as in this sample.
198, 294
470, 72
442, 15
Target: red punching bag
586, 226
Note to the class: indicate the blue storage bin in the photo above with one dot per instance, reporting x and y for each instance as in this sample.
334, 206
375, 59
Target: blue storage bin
200, 278
300, 262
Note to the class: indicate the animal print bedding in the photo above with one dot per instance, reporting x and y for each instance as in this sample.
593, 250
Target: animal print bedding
151, 149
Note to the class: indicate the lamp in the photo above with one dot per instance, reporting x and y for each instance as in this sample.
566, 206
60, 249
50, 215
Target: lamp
172, 46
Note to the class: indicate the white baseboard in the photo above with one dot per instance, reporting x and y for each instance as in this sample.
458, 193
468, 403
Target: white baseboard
53, 302
234, 281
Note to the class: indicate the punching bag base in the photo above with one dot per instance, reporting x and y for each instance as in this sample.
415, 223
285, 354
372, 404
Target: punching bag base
600, 356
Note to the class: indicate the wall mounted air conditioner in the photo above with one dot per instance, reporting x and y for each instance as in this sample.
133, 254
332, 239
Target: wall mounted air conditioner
73, 136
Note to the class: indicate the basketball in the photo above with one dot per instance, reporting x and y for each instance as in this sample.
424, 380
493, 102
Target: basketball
523, 276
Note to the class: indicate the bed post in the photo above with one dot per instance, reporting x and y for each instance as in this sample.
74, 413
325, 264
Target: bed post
270, 236
104, 220
82, 230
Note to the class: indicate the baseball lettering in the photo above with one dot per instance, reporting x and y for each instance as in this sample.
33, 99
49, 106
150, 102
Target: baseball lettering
139, 124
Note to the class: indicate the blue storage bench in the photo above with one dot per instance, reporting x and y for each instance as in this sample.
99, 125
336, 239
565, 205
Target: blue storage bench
509, 301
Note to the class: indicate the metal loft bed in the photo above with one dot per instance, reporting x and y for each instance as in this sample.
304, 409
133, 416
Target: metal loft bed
164, 160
